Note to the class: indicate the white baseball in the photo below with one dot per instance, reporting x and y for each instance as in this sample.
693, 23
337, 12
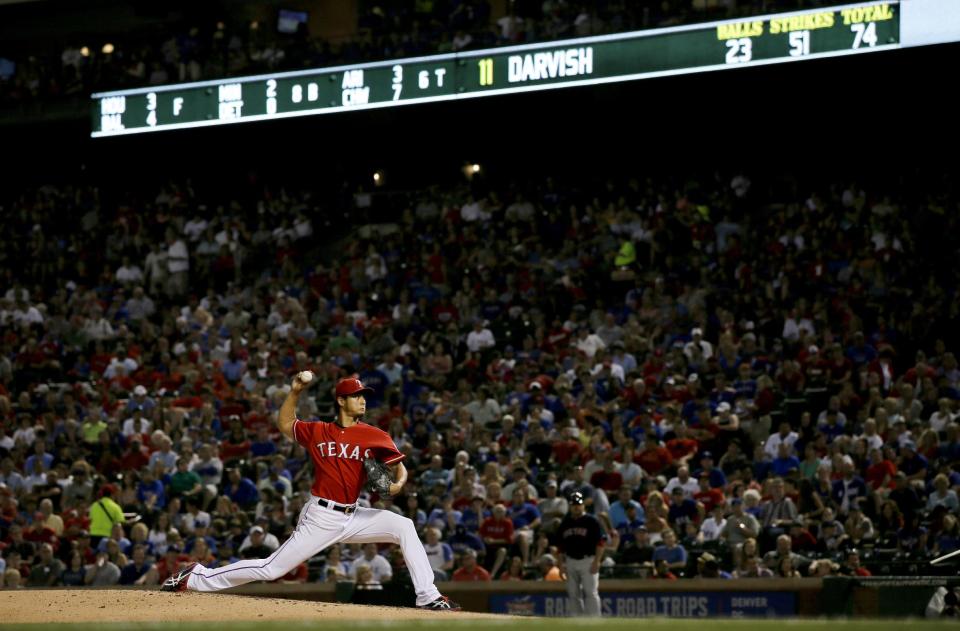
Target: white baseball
305, 376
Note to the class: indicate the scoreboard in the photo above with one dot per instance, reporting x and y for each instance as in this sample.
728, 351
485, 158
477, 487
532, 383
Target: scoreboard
786, 37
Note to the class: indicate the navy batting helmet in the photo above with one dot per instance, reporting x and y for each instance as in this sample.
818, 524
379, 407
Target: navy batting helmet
576, 497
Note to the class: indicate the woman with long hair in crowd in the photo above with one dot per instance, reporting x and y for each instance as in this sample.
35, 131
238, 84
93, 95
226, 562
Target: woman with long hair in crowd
889, 524
157, 536
514, 571
785, 568
656, 513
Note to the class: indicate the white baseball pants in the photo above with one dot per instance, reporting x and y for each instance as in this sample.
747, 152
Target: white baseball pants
583, 587
320, 527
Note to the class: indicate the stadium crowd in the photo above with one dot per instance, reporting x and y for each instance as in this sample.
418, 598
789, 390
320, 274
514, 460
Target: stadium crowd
49, 71
742, 380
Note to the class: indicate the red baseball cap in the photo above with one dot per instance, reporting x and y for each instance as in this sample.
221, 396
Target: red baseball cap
350, 386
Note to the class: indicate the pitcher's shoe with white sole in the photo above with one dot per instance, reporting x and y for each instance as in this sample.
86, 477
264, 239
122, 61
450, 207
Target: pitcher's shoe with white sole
178, 582
442, 604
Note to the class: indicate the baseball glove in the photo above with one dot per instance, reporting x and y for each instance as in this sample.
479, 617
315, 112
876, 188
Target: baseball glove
379, 477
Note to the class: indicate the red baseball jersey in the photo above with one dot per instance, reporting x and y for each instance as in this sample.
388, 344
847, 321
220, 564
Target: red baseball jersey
338, 454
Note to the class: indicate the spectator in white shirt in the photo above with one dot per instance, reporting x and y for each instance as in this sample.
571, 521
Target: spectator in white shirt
382, 572
588, 343
98, 328
684, 481
25, 314
178, 265
782, 436
480, 338
140, 306
698, 350
136, 424
155, 266
712, 525
473, 211
942, 417
128, 273
194, 228
874, 440
128, 363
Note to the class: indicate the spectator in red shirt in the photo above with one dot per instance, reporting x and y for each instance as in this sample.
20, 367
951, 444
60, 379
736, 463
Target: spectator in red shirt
170, 562
852, 566
683, 447
497, 532
654, 458
469, 570
236, 446
880, 472
708, 496
134, 458
568, 449
636, 395
608, 478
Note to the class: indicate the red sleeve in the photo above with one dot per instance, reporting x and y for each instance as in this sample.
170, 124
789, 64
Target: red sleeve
383, 447
303, 432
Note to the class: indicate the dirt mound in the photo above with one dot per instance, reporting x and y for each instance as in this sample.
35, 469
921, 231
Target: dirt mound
117, 605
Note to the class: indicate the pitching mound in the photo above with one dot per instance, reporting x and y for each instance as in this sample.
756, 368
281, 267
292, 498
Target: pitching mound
61, 605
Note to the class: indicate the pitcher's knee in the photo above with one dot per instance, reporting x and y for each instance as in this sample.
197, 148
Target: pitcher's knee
273, 571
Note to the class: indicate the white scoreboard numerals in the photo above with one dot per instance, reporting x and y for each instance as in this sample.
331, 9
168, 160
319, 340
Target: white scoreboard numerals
152, 109
799, 43
271, 96
864, 34
397, 81
740, 50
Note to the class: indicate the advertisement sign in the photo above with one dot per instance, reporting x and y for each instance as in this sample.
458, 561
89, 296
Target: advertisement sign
639, 604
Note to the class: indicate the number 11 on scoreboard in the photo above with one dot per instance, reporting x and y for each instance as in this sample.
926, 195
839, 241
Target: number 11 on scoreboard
486, 71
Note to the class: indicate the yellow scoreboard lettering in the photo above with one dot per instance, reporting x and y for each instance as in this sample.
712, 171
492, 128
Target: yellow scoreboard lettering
872, 13
486, 71
809, 22
737, 30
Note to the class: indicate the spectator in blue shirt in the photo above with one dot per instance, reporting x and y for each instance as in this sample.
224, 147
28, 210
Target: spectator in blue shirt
463, 540
912, 463
522, 513
630, 524
860, 352
233, 368
850, 489
683, 510
436, 473
150, 491
263, 446
618, 510
39, 453
717, 478
445, 517
832, 425
784, 462
240, 489
474, 515
526, 519
136, 572
674, 554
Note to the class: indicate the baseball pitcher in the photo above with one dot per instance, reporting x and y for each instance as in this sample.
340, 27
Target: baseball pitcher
346, 454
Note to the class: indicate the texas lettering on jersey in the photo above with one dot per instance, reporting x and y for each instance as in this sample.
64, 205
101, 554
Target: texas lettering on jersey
338, 454
342, 450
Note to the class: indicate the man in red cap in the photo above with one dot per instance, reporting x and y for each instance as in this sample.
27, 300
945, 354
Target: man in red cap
338, 451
